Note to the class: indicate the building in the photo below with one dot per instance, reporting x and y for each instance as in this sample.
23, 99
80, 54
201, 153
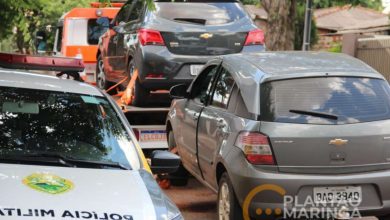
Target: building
333, 22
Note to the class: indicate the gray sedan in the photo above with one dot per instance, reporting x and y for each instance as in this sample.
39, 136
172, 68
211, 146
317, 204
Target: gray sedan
287, 134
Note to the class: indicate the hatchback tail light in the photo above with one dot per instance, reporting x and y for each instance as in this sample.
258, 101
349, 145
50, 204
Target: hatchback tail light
256, 148
150, 37
255, 37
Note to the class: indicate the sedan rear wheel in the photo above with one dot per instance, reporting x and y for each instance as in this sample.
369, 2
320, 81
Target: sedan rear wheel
101, 81
140, 94
228, 206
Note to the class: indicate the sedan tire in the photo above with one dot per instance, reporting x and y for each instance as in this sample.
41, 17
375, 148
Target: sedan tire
140, 94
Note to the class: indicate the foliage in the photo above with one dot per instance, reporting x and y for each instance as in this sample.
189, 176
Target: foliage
21, 19
250, 2
299, 27
373, 4
336, 48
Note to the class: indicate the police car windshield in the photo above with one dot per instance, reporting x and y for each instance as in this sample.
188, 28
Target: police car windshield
71, 125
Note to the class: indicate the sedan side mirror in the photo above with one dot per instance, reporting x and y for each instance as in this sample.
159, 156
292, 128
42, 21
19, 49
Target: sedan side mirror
179, 92
164, 162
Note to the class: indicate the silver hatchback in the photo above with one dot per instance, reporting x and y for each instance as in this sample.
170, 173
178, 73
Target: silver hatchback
287, 135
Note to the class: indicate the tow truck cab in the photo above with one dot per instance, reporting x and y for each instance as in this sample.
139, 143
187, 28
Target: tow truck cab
78, 34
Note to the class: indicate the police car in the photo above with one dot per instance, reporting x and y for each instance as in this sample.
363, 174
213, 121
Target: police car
68, 152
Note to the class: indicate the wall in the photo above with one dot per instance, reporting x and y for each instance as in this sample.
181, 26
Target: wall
376, 53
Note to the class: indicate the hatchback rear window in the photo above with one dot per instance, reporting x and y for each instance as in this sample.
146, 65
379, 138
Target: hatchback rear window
331, 100
214, 13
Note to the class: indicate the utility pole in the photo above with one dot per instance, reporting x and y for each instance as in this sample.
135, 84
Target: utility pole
307, 30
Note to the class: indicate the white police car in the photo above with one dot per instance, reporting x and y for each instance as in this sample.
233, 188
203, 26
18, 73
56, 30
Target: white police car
68, 152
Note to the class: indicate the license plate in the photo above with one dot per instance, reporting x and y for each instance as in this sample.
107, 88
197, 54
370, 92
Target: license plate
339, 194
152, 135
195, 69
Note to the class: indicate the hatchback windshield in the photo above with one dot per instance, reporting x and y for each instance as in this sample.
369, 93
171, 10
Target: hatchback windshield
331, 100
200, 13
82, 127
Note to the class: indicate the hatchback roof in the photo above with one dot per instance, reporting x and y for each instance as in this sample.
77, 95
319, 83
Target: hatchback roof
289, 62
250, 70
28, 80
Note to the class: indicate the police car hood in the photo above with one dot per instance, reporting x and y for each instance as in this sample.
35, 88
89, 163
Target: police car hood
47, 192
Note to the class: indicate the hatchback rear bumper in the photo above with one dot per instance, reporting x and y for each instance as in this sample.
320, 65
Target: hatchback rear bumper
280, 187
170, 69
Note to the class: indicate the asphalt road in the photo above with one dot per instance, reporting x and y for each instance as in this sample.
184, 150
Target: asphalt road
197, 202
194, 200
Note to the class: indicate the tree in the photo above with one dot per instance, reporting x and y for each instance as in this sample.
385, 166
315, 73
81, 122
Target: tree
280, 25
21, 19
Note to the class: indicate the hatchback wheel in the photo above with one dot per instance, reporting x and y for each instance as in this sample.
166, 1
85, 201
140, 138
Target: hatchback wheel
101, 81
228, 206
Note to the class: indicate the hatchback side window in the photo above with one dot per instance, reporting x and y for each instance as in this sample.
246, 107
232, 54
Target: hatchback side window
203, 84
223, 89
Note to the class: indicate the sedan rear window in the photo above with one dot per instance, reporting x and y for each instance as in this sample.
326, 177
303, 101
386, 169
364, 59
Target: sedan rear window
200, 13
331, 100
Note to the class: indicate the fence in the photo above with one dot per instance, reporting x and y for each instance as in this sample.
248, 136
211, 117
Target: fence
375, 51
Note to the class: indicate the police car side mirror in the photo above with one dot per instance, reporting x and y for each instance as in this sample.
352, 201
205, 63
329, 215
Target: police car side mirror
164, 162
179, 92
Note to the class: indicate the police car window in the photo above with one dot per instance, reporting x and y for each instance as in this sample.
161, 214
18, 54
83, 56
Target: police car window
223, 89
203, 84
71, 125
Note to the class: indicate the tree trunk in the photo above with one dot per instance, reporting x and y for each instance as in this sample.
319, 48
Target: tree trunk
20, 41
280, 26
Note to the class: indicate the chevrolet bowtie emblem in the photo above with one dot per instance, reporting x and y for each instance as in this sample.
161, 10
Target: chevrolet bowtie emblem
338, 142
206, 36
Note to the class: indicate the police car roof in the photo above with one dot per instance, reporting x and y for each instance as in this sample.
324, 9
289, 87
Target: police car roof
29, 80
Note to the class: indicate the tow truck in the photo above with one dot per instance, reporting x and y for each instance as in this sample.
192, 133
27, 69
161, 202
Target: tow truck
78, 33
148, 123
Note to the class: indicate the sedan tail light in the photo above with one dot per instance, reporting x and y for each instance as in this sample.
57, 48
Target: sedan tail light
255, 37
150, 37
256, 148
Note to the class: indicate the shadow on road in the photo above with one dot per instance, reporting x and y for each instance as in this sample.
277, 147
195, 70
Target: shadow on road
194, 200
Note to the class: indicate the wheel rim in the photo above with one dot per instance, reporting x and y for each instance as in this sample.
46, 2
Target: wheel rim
101, 77
224, 202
